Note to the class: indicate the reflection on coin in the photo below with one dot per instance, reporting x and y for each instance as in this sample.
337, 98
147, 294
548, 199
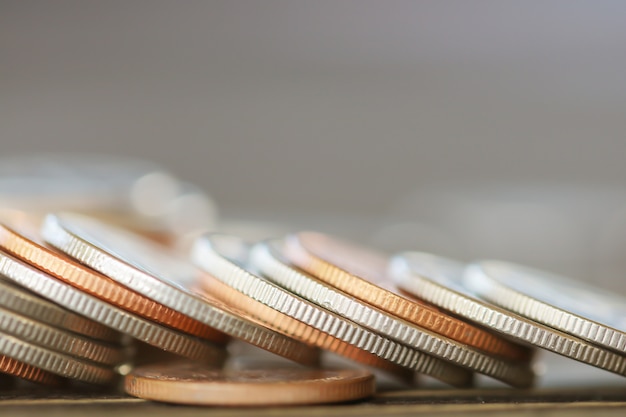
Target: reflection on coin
361, 273
267, 257
91, 307
554, 301
221, 255
440, 281
158, 274
187, 383
98, 285
19, 369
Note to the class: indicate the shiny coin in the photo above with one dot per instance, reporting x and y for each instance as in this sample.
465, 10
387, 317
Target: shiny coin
565, 304
361, 273
93, 308
98, 285
19, 369
267, 257
222, 255
158, 274
190, 384
440, 281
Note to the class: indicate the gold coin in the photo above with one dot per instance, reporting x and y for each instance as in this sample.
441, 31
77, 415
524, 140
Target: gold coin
187, 383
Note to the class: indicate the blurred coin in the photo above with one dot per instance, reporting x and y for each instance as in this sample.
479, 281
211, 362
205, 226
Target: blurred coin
19, 369
565, 304
441, 281
104, 313
187, 383
86, 279
268, 258
159, 274
361, 273
222, 255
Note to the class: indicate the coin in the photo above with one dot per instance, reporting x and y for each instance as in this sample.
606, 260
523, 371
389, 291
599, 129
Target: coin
98, 285
268, 258
553, 300
362, 274
220, 254
19, 369
190, 384
441, 281
104, 313
159, 274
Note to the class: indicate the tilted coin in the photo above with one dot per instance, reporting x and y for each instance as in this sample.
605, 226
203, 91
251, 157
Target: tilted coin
190, 384
159, 274
98, 285
40, 334
22, 370
49, 287
220, 256
565, 304
361, 273
268, 258
440, 281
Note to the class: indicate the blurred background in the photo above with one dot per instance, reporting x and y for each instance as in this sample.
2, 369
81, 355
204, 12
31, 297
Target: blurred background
472, 129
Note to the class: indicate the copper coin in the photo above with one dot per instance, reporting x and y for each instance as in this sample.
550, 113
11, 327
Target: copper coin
19, 369
361, 273
86, 279
187, 383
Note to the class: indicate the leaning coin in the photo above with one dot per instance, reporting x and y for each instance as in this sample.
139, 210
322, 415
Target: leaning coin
104, 313
361, 273
54, 362
98, 285
440, 281
159, 274
186, 383
40, 334
10, 366
268, 258
565, 304
221, 256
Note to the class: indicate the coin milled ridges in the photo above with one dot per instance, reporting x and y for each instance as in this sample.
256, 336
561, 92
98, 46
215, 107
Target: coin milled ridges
69, 234
95, 309
22, 370
266, 257
209, 257
469, 306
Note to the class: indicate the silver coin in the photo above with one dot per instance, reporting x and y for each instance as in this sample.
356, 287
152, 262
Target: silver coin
220, 255
106, 314
268, 258
440, 281
160, 275
565, 304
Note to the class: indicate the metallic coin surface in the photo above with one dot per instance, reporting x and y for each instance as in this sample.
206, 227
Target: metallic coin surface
159, 274
40, 334
362, 274
268, 259
86, 279
19, 369
440, 281
190, 384
221, 256
73, 299
565, 304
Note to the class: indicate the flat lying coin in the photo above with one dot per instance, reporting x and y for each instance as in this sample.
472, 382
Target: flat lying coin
159, 274
19, 369
440, 281
220, 256
267, 257
98, 285
565, 304
362, 274
190, 384
91, 307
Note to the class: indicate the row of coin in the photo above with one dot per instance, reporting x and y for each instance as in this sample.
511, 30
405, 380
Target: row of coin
288, 296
